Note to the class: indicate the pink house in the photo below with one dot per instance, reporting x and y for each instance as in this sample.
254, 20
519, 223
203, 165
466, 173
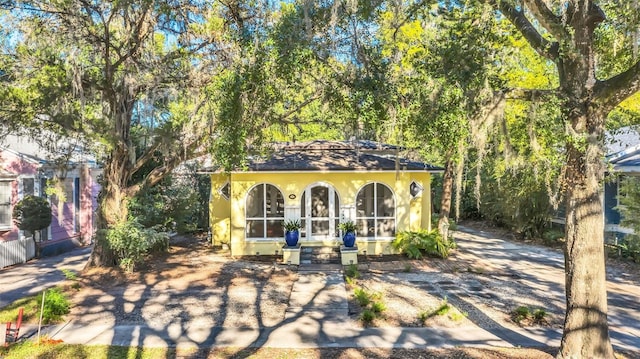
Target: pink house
27, 169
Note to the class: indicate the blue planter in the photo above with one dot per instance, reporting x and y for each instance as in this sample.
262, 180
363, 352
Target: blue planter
349, 239
291, 237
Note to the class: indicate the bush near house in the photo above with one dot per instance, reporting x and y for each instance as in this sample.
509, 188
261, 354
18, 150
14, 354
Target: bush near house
32, 213
179, 203
630, 209
416, 244
131, 242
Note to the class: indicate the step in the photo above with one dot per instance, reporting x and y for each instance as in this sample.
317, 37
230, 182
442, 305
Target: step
319, 255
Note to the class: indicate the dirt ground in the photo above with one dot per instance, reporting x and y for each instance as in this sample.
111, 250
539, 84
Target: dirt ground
195, 280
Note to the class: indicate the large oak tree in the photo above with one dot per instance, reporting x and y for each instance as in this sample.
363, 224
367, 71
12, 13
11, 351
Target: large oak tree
567, 36
106, 70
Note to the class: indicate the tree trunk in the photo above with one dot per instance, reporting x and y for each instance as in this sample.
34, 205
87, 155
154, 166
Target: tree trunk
445, 201
112, 206
586, 332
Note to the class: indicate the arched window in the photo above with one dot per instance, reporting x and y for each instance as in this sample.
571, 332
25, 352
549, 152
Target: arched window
376, 211
265, 212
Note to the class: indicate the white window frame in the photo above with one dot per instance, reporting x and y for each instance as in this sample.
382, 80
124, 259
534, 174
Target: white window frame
221, 191
264, 217
376, 217
9, 205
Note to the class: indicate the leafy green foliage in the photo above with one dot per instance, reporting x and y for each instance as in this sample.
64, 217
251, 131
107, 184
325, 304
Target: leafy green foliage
352, 271
131, 242
56, 305
362, 297
69, 274
371, 303
292, 225
524, 315
367, 316
177, 203
442, 309
629, 208
415, 244
32, 213
347, 227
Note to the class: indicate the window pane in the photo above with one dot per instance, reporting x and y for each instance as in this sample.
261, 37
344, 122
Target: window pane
336, 204
275, 202
320, 202
28, 186
303, 205
255, 229
364, 202
386, 228
275, 228
5, 203
320, 227
384, 201
366, 227
225, 191
303, 230
255, 202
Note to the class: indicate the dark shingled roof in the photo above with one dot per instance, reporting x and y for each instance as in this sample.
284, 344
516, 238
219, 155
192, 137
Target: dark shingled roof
336, 156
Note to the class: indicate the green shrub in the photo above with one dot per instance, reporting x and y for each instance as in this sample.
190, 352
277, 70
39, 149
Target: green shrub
32, 213
378, 307
539, 315
521, 313
367, 316
352, 271
524, 313
56, 305
362, 297
178, 203
414, 244
371, 303
130, 242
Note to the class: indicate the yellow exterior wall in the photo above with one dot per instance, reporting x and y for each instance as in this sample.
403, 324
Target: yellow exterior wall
228, 217
219, 211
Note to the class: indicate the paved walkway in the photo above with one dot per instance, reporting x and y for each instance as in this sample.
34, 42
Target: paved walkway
33, 277
317, 314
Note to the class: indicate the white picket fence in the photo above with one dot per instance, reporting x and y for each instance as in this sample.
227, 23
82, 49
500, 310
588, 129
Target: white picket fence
17, 251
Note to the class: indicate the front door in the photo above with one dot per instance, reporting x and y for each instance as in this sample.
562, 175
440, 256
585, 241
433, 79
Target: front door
320, 213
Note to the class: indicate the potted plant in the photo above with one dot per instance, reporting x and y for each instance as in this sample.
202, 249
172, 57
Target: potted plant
348, 229
292, 232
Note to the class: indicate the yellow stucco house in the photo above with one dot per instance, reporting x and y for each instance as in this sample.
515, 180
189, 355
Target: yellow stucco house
321, 183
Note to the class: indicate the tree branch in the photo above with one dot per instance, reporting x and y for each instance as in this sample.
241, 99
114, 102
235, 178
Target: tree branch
613, 91
530, 94
550, 21
160, 172
542, 46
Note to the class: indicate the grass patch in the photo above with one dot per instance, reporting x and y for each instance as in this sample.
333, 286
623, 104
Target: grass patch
28, 349
69, 274
56, 306
444, 309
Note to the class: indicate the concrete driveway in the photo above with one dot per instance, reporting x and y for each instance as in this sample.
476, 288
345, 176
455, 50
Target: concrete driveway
543, 269
36, 275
